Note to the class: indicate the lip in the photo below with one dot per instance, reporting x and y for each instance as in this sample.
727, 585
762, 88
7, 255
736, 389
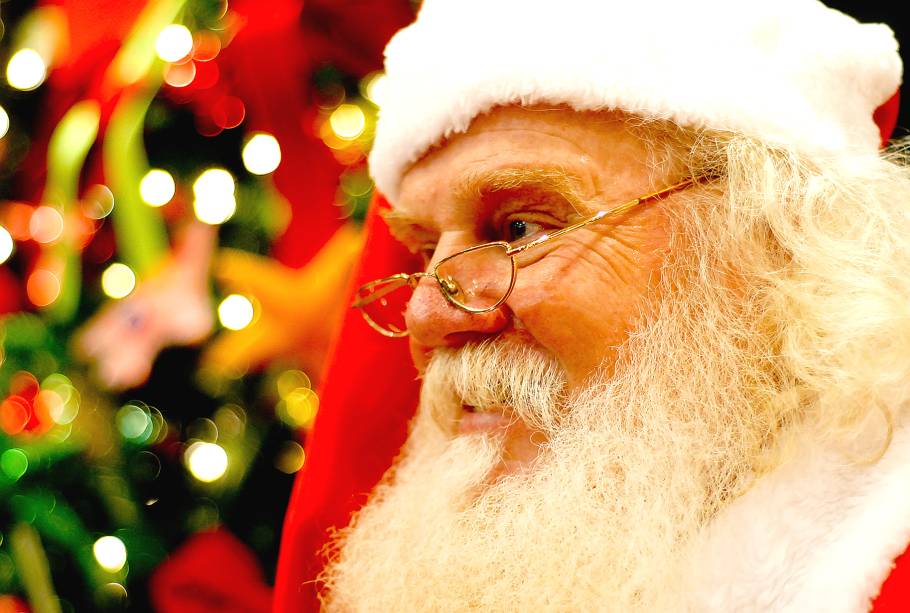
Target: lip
486, 421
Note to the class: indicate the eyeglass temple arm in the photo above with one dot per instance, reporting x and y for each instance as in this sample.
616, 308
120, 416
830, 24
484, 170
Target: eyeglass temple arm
622, 208
408, 280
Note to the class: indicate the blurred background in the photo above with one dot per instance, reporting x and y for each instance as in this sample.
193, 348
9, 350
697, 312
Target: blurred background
181, 188
182, 184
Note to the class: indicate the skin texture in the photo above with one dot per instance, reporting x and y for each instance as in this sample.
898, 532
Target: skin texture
579, 296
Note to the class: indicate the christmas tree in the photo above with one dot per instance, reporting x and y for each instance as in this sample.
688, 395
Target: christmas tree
181, 187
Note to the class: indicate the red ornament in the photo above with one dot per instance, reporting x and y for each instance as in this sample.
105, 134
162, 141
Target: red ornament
212, 571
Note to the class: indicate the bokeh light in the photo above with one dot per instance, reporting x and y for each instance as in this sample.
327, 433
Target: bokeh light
290, 457
60, 385
42, 287
118, 280
228, 112
298, 409
214, 196
157, 187
134, 422
236, 312
46, 224
15, 413
203, 429
206, 46
174, 43
4, 122
207, 462
180, 75
230, 420
17, 217
290, 380
49, 402
26, 70
371, 87
6, 244
112, 597
98, 202
215, 211
110, 553
348, 121
13, 463
262, 154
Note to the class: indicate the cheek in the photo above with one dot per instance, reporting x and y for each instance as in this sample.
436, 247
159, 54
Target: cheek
581, 308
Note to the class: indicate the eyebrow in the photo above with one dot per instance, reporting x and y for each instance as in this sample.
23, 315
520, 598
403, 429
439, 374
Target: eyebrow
472, 185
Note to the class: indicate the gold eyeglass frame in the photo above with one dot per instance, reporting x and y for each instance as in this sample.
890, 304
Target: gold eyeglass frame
449, 288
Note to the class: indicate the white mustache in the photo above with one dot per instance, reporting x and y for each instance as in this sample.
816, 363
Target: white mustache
506, 376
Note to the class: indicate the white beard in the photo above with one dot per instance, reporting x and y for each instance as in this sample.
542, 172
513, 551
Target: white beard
633, 468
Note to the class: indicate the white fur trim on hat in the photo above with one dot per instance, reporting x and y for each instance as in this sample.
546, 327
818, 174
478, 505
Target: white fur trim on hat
792, 72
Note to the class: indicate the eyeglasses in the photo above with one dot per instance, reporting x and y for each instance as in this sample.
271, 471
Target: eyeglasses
477, 280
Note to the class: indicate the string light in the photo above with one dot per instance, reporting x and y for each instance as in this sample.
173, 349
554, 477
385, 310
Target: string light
174, 43
348, 121
207, 462
4, 122
157, 187
262, 154
26, 70
118, 281
110, 553
214, 190
6, 245
236, 312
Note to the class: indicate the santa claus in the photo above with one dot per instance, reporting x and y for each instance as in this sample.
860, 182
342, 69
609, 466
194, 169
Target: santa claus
654, 274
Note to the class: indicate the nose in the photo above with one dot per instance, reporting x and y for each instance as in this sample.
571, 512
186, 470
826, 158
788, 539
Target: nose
433, 322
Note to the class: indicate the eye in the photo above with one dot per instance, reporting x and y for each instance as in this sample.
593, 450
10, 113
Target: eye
517, 229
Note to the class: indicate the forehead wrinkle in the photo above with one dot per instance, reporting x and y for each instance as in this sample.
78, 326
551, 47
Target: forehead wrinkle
474, 184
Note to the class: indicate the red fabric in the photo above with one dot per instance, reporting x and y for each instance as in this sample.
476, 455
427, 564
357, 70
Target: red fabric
895, 594
366, 402
212, 572
269, 65
885, 116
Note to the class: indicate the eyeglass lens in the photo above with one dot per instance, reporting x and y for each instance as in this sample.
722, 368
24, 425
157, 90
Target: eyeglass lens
476, 279
385, 304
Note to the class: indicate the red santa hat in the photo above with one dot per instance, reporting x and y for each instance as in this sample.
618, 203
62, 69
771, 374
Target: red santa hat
791, 72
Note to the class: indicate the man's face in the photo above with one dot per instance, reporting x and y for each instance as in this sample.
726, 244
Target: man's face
515, 174
570, 446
